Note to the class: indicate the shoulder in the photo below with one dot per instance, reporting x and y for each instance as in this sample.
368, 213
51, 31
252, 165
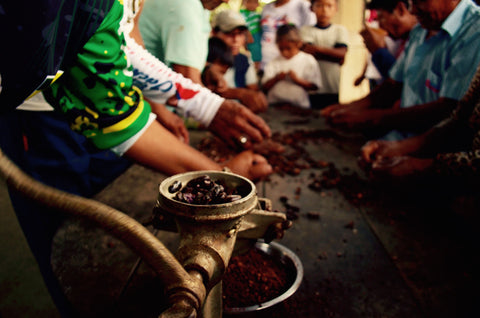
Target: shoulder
302, 3
308, 29
341, 32
416, 31
174, 8
306, 57
339, 27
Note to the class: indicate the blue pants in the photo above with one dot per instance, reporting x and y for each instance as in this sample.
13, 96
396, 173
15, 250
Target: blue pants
43, 146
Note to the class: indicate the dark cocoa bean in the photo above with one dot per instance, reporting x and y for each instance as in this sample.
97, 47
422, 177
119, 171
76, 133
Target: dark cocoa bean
175, 186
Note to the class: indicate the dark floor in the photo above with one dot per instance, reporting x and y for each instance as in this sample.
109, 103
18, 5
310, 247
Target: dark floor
373, 252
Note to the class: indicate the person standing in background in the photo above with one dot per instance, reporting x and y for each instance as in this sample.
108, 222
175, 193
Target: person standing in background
251, 11
328, 43
277, 13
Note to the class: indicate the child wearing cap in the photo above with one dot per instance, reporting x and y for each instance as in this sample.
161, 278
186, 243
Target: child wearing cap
241, 79
290, 77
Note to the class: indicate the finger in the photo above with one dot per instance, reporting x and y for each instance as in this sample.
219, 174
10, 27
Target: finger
369, 150
185, 135
327, 111
337, 118
259, 171
259, 159
242, 142
255, 127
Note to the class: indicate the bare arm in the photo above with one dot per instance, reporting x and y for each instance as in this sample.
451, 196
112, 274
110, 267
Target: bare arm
255, 100
336, 55
383, 96
307, 85
159, 149
421, 116
274, 80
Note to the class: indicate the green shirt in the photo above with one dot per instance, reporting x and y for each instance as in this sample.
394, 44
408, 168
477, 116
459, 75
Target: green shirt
253, 19
96, 93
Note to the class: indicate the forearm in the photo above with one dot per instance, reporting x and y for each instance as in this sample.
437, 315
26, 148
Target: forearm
419, 117
233, 93
336, 55
271, 82
306, 85
157, 148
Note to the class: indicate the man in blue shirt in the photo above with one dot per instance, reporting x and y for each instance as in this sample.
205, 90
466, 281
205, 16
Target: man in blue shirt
394, 16
427, 80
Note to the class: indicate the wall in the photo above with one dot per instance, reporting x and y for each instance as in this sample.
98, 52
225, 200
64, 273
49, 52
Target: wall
351, 15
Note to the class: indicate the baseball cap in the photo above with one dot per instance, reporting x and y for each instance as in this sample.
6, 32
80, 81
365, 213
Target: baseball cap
229, 20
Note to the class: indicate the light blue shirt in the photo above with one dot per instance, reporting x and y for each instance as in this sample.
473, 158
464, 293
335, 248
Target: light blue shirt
443, 65
176, 31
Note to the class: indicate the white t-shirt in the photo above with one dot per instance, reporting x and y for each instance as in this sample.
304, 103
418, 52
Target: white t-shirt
333, 36
296, 12
285, 91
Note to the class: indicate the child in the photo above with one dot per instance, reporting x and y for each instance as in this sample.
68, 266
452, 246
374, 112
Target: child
241, 79
289, 77
327, 42
277, 13
219, 60
251, 11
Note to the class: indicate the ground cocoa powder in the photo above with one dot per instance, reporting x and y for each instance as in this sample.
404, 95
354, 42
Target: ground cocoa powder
253, 278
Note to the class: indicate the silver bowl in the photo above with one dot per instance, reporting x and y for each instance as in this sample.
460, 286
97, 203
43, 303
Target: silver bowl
292, 264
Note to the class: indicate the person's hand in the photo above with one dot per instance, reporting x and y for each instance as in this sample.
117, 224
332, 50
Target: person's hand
308, 48
281, 76
213, 79
256, 101
293, 76
327, 111
267, 147
377, 149
380, 149
402, 167
238, 126
374, 38
250, 165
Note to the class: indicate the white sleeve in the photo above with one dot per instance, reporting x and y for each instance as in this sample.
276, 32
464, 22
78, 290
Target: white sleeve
251, 76
158, 83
